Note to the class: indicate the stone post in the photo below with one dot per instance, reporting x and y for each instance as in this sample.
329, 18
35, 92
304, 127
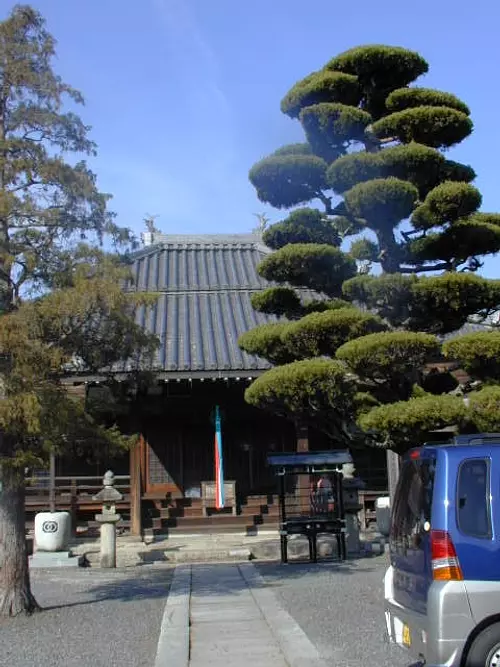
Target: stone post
108, 520
351, 486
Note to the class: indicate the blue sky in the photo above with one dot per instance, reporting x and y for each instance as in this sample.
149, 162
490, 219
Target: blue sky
183, 95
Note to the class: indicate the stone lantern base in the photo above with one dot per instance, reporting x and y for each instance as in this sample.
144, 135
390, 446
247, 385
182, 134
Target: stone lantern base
48, 559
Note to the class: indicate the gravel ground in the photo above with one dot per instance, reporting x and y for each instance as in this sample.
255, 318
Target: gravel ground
95, 618
92, 618
340, 608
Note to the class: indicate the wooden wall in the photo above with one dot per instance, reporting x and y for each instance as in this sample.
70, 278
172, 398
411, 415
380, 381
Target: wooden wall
180, 439
178, 451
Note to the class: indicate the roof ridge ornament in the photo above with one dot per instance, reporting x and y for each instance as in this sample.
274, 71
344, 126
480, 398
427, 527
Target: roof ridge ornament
149, 236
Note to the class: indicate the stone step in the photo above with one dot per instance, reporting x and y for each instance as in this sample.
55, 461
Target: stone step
270, 510
216, 525
244, 510
263, 499
214, 521
221, 520
247, 529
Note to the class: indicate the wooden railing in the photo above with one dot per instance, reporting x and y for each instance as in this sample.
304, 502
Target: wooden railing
75, 494
72, 493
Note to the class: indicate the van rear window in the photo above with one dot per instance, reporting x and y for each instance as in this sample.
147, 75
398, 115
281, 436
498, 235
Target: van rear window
413, 501
473, 507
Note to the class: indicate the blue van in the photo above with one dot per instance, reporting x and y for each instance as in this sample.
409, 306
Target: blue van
442, 588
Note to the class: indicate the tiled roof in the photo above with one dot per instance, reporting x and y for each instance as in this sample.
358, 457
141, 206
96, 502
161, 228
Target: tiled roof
198, 264
205, 284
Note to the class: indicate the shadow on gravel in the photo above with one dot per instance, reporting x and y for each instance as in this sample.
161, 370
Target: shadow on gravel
155, 583
275, 570
223, 580
117, 587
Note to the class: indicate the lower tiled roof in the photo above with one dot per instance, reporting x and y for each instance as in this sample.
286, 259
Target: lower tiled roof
204, 286
199, 332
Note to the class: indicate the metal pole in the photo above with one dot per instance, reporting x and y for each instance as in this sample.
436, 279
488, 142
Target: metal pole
282, 498
283, 535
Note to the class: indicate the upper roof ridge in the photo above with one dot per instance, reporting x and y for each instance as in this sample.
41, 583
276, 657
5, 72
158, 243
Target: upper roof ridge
203, 242
208, 239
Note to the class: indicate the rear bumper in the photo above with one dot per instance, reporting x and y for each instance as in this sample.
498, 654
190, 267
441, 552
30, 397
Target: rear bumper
437, 637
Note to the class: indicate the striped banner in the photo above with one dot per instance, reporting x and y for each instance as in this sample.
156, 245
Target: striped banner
219, 463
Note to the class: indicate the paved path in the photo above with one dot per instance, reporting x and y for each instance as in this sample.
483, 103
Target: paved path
224, 614
340, 606
235, 621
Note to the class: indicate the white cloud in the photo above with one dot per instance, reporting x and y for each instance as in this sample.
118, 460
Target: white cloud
192, 50
208, 128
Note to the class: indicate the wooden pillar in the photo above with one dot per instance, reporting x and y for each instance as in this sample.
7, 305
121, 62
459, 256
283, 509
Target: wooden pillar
393, 468
143, 462
52, 483
180, 444
136, 488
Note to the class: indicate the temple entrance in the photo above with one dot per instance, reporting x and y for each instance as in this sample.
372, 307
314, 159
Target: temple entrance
164, 461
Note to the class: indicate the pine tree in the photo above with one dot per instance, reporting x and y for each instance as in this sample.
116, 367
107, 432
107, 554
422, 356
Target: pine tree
356, 354
63, 306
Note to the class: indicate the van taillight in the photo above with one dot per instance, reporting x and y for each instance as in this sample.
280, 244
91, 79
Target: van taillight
445, 565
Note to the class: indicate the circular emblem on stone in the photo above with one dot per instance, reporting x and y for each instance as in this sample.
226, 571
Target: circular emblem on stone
49, 526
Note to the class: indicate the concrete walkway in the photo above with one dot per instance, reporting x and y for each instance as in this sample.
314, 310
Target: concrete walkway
225, 615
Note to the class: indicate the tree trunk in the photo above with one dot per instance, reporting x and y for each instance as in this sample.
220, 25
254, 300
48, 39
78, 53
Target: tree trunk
15, 591
389, 252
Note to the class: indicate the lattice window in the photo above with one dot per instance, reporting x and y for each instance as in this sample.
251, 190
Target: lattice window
158, 474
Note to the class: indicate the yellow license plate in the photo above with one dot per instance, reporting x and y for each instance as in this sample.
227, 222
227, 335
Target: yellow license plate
406, 636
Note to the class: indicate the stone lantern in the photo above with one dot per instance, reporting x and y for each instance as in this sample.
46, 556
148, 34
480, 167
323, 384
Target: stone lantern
108, 519
351, 487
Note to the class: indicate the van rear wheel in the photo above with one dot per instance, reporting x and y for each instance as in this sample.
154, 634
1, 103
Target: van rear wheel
485, 649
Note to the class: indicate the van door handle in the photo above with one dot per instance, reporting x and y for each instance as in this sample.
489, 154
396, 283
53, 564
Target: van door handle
462, 501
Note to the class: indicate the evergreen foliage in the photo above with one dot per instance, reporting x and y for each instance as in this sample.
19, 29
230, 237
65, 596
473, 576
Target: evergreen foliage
304, 225
266, 341
320, 267
63, 308
478, 353
407, 98
406, 424
484, 409
375, 166
316, 386
320, 334
278, 301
